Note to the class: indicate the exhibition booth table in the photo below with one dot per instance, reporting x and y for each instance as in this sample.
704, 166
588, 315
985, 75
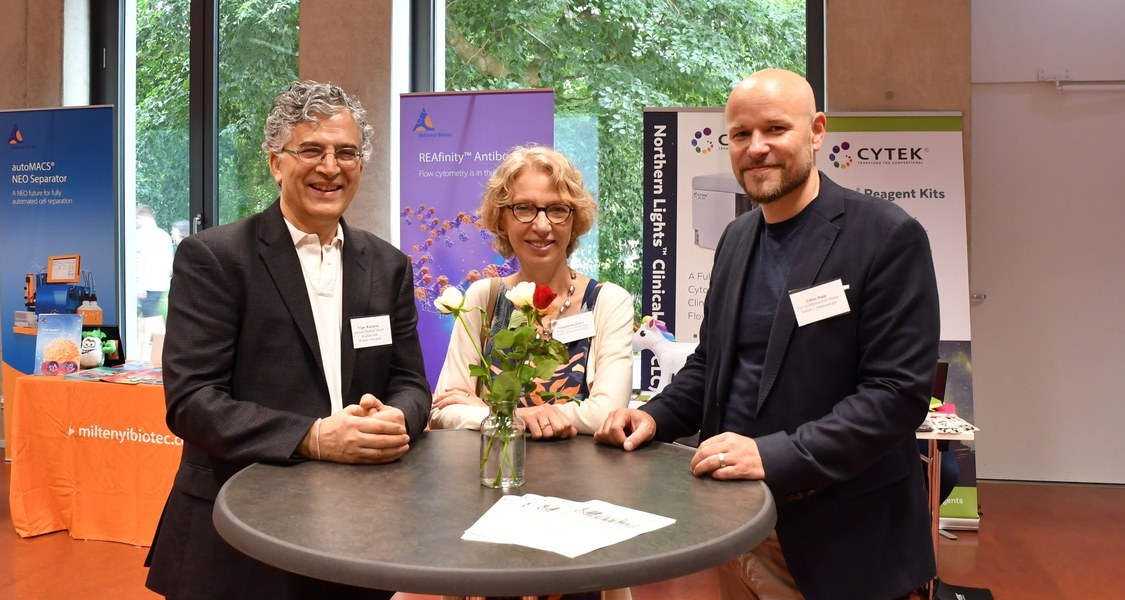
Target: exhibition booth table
940, 428
90, 457
319, 518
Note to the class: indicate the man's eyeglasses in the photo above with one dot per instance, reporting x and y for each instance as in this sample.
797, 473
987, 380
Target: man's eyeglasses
314, 154
556, 213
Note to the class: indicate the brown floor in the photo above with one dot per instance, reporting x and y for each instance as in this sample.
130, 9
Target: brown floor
1035, 541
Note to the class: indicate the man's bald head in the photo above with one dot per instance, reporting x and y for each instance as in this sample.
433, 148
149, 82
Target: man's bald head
777, 84
773, 132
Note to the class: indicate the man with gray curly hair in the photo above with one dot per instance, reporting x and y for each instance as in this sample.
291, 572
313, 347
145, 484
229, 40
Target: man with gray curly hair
306, 102
290, 337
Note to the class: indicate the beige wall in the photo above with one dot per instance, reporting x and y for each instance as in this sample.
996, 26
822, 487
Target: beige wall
31, 54
890, 55
347, 42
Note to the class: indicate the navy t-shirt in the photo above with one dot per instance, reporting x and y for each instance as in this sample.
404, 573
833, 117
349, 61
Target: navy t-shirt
765, 285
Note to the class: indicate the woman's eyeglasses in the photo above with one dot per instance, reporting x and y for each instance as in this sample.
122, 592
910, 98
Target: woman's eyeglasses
556, 213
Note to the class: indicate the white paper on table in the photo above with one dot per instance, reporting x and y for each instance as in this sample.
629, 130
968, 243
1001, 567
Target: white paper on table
562, 526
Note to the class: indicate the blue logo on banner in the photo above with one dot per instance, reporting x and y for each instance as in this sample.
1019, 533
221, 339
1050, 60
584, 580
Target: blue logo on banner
424, 123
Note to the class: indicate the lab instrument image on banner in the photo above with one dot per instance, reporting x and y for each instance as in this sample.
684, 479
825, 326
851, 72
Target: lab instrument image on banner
62, 287
715, 201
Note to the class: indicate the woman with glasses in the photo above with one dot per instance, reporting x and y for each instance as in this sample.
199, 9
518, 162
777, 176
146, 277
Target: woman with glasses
537, 207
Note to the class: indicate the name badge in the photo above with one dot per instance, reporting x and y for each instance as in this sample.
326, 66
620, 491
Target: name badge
576, 327
371, 331
820, 302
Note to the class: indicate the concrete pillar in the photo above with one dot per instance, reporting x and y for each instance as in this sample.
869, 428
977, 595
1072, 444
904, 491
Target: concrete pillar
347, 42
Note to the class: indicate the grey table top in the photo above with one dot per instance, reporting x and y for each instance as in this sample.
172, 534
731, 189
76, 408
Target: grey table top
399, 526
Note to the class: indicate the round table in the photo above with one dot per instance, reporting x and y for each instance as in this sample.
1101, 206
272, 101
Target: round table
399, 526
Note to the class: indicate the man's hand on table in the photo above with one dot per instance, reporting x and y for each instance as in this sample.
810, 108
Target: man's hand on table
728, 456
366, 433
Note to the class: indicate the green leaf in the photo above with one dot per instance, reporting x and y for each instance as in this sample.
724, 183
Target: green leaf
506, 385
524, 335
546, 368
505, 339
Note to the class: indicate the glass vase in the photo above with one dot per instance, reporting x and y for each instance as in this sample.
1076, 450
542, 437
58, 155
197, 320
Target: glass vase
503, 451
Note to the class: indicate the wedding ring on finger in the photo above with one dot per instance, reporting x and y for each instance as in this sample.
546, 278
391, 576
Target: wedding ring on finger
722, 460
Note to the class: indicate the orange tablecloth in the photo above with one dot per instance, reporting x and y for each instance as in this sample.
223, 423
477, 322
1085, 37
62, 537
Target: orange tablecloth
91, 457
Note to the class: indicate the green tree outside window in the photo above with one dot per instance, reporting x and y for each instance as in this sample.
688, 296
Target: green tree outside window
611, 59
258, 42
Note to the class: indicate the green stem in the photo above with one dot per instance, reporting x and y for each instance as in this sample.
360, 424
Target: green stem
487, 452
476, 345
472, 338
506, 459
503, 452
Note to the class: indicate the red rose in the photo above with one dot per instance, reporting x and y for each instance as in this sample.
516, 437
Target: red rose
543, 297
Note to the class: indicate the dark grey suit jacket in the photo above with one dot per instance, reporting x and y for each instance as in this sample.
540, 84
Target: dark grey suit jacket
840, 398
244, 382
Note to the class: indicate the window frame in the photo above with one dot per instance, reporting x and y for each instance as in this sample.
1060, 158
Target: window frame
427, 26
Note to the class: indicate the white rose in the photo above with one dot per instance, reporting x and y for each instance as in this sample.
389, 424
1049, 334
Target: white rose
450, 301
522, 295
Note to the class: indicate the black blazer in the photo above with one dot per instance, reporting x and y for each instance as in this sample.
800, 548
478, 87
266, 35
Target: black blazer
840, 398
244, 382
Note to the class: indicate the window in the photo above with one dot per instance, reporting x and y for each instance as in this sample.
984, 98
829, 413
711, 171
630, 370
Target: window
608, 60
257, 41
161, 120
257, 58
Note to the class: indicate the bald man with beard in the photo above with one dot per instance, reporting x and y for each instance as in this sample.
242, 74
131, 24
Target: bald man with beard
823, 411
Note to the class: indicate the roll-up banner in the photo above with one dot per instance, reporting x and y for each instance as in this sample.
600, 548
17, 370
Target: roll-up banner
913, 159
58, 221
451, 143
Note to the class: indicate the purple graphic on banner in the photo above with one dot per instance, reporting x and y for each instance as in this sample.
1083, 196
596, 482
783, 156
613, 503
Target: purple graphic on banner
451, 143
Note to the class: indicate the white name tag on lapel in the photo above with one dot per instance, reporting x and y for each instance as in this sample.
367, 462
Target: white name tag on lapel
820, 302
371, 331
576, 327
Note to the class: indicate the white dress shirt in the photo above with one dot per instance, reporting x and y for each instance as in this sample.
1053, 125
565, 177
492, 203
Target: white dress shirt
324, 280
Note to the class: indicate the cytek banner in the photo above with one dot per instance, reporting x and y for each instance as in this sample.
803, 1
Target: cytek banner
451, 143
914, 160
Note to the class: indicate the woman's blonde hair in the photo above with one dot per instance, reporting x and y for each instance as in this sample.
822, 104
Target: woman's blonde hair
564, 175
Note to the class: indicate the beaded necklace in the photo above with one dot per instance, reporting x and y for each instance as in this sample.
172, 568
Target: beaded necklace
565, 305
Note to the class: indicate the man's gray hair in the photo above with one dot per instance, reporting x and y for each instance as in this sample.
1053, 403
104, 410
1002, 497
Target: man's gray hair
305, 102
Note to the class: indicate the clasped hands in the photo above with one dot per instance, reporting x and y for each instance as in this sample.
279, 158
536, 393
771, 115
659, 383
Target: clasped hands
543, 421
724, 456
366, 433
